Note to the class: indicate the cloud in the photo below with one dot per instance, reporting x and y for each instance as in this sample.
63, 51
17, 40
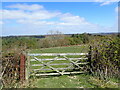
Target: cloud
37, 17
19, 14
99, 0
35, 22
106, 2
26, 7
33, 12
117, 9
66, 19
13, 14
71, 18
1, 22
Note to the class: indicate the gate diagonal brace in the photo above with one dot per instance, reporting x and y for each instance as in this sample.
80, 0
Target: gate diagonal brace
68, 67
48, 63
48, 66
72, 62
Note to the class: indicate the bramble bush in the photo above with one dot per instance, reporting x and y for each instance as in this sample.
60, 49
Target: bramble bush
11, 67
105, 58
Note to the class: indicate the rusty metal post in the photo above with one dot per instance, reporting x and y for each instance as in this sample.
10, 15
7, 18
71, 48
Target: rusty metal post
22, 67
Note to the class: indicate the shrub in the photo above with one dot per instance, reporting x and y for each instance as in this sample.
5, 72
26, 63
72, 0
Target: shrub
105, 56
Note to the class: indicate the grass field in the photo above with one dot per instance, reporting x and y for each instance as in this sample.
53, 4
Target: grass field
68, 81
70, 49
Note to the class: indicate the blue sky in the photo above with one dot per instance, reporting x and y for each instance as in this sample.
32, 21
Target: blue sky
35, 18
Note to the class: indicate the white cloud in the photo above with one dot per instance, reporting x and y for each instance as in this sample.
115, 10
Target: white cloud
99, 0
71, 18
34, 12
18, 14
117, 9
1, 22
106, 2
35, 22
26, 7
65, 20
13, 14
35, 17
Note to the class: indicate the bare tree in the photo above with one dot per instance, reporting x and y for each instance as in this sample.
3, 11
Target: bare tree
56, 38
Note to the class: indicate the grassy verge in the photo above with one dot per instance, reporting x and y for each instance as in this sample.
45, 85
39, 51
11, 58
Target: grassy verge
73, 81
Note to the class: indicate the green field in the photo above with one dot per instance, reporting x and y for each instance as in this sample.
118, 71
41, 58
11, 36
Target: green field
70, 49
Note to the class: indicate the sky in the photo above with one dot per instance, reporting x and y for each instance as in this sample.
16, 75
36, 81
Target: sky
38, 18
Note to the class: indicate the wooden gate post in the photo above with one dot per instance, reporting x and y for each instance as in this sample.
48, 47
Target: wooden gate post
89, 59
27, 69
22, 67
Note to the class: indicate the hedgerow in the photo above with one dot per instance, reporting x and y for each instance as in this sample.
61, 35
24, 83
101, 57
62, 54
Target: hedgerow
105, 58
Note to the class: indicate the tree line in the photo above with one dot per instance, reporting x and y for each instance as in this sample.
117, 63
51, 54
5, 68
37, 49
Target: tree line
52, 40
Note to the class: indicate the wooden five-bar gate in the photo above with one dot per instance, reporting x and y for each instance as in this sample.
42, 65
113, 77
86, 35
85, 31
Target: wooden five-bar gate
41, 64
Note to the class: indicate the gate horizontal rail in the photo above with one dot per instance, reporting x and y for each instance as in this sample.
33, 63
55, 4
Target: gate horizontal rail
56, 68
56, 54
59, 59
46, 74
59, 64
